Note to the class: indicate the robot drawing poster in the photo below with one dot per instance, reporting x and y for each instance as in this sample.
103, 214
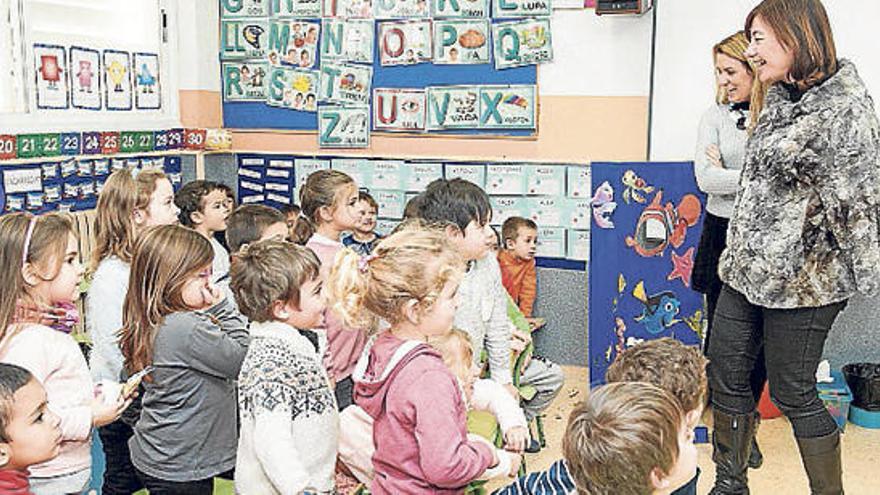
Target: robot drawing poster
85, 78
117, 80
50, 71
147, 90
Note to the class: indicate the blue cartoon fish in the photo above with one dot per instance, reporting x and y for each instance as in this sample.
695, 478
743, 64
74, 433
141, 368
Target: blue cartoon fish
660, 309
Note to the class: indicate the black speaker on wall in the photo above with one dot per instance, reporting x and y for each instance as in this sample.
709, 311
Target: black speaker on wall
631, 7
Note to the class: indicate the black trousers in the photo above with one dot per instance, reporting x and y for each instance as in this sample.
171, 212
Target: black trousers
344, 391
119, 475
158, 486
793, 340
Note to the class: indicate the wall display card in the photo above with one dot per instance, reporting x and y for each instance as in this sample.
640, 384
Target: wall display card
470, 173
578, 181
518, 43
448, 9
578, 245
347, 40
391, 203
452, 107
398, 110
346, 84
419, 175
504, 207
404, 42
356, 168
303, 168
461, 42
505, 179
117, 80
295, 89
387, 174
245, 8
385, 226
521, 8
344, 127
551, 242
147, 90
293, 43
22, 180
85, 78
51, 76
579, 211
295, 8
245, 81
547, 211
399, 9
508, 107
243, 38
349, 9
545, 180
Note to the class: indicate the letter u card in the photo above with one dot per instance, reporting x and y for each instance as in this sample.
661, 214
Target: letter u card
296, 89
344, 127
453, 107
461, 42
397, 9
245, 81
404, 43
519, 43
398, 110
508, 107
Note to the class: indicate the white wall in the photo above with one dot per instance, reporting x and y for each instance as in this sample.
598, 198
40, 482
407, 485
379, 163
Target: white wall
684, 83
199, 38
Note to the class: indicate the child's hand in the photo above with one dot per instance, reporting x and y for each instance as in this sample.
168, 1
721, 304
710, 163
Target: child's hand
521, 336
515, 439
104, 413
517, 346
515, 463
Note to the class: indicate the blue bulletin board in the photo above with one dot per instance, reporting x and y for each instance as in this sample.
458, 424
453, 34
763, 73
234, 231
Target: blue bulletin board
647, 219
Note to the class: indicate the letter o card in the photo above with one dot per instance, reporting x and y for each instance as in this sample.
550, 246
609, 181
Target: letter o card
404, 43
398, 110
508, 107
519, 43
344, 127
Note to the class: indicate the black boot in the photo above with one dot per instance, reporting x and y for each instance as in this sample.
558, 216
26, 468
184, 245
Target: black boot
821, 458
732, 442
756, 459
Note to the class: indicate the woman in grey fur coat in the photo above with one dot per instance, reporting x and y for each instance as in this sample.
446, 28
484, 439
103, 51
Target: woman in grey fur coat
802, 240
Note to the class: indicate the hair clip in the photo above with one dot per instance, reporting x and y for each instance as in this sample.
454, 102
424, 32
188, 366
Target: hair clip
364, 262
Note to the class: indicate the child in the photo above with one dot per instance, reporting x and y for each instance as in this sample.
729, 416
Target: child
465, 211
329, 206
364, 237
40, 282
419, 431
247, 224
517, 261
29, 431
204, 206
179, 323
291, 213
126, 207
289, 423
666, 363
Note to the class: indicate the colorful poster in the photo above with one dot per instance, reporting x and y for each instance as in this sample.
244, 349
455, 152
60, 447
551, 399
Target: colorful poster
147, 87
461, 42
293, 43
521, 8
452, 107
244, 8
404, 42
459, 9
518, 43
117, 80
349, 9
510, 107
344, 126
295, 89
85, 78
245, 81
347, 40
243, 38
51, 76
346, 83
398, 110
634, 295
296, 8
401, 9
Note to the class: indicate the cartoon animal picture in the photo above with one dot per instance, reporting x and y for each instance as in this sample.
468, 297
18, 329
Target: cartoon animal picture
660, 310
695, 322
634, 186
659, 226
682, 267
252, 34
50, 71
116, 71
603, 205
85, 76
146, 79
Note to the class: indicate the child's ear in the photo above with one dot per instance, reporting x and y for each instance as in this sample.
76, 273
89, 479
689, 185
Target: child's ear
411, 311
281, 310
5, 454
138, 216
659, 481
453, 231
508, 243
29, 274
197, 217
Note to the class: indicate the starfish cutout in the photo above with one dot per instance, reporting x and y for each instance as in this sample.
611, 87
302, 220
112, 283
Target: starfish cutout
682, 267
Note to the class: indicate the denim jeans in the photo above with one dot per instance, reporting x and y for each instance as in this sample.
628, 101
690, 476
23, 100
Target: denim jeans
119, 475
792, 339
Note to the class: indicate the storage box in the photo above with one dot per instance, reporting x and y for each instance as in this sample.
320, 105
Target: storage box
837, 398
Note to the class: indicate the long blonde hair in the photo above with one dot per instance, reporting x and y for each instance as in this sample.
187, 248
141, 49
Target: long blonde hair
413, 263
45, 250
457, 352
115, 230
735, 46
322, 188
164, 259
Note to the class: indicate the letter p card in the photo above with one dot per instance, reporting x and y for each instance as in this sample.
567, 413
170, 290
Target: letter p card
344, 127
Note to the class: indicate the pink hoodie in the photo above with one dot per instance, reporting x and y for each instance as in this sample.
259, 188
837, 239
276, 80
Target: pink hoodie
420, 429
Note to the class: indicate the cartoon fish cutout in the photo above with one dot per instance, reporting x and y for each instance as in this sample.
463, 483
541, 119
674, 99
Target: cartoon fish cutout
695, 322
634, 186
659, 226
660, 309
252, 33
603, 205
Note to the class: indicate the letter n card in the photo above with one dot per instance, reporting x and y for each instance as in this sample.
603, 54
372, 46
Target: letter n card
508, 107
345, 83
519, 43
398, 110
344, 127
461, 42
453, 107
404, 43
347, 40
244, 81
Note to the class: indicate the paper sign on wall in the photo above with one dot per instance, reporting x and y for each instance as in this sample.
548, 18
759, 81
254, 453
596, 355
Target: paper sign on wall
400, 9
391, 203
303, 168
346, 84
356, 168
387, 174
508, 107
519, 43
551, 242
295, 89
578, 211
22, 180
461, 42
245, 81
117, 80
452, 107
243, 38
293, 43
578, 245
546, 211
385, 227
147, 87
296, 8
521, 8
50, 71
504, 207
546, 180
347, 40
398, 109
404, 42
244, 8
450, 9
470, 173
85, 78
505, 179
578, 181
344, 127
419, 175
349, 9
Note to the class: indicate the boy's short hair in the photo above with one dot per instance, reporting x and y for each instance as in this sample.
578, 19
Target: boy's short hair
412, 209
619, 435
12, 378
248, 222
267, 271
365, 196
667, 363
191, 198
457, 202
291, 208
510, 228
